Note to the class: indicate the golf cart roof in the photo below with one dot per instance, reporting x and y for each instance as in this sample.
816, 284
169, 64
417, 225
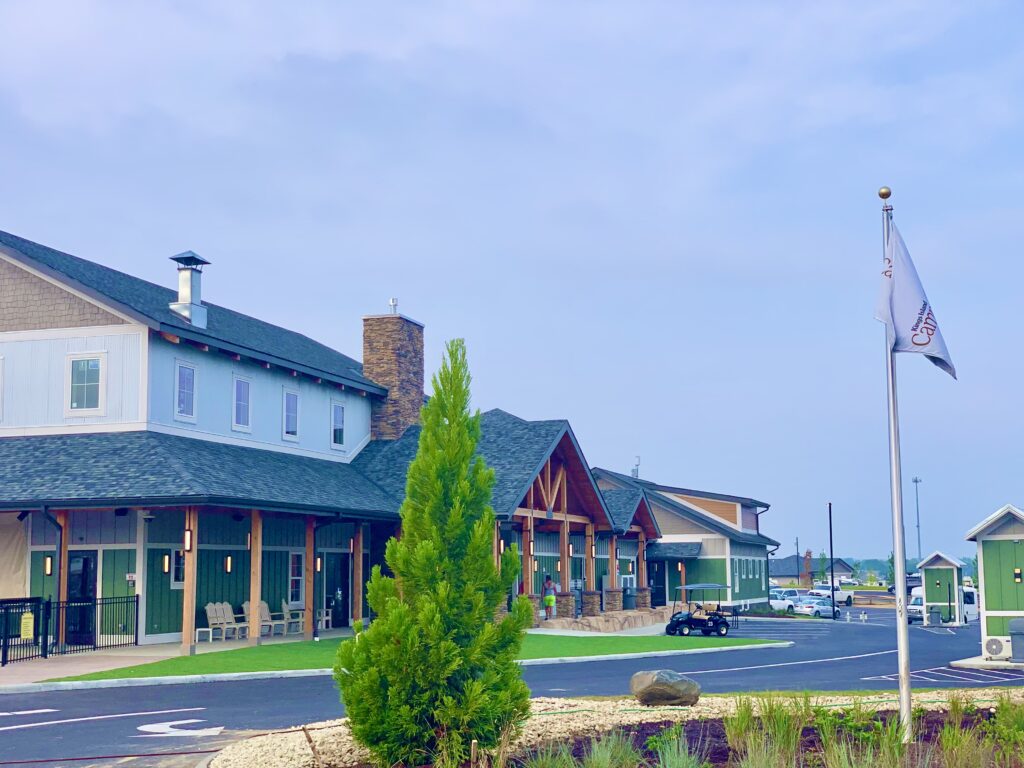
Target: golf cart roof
688, 587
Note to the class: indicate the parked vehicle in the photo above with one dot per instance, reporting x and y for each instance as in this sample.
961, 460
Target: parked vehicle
970, 604
788, 593
841, 598
778, 602
816, 607
845, 582
915, 609
707, 618
913, 580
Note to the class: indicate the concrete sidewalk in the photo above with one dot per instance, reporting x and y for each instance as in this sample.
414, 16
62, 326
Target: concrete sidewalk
72, 665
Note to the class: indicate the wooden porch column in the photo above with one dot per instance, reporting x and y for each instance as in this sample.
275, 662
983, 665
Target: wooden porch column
62, 571
496, 549
613, 561
527, 560
564, 566
309, 615
641, 564
357, 574
255, 575
188, 602
589, 571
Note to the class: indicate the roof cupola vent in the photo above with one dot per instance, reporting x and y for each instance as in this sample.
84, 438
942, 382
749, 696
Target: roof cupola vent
190, 288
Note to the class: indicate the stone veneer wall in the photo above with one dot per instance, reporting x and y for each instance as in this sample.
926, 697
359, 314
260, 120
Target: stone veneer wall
29, 303
393, 358
613, 600
591, 603
643, 597
565, 605
535, 602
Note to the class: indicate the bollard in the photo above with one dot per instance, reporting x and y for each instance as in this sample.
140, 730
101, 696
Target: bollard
863, 616
848, 617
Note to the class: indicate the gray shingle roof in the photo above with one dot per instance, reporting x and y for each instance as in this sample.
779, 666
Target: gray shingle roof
513, 447
792, 565
150, 467
706, 520
150, 302
672, 550
622, 504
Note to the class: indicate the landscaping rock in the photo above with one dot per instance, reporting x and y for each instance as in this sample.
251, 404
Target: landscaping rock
663, 687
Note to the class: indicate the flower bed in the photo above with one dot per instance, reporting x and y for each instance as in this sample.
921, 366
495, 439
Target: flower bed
738, 731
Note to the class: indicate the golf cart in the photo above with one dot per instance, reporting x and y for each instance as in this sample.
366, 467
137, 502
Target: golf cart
707, 619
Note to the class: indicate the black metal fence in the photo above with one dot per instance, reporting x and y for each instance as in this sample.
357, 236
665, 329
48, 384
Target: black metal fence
33, 628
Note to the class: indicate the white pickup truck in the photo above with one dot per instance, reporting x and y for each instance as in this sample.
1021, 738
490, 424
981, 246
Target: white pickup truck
840, 597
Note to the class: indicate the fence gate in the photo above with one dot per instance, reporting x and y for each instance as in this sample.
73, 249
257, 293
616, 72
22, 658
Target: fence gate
33, 628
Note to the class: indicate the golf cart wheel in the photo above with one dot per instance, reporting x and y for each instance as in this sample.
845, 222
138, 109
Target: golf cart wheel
723, 630
669, 631
684, 630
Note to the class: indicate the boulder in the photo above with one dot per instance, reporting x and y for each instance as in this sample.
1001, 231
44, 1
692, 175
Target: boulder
663, 687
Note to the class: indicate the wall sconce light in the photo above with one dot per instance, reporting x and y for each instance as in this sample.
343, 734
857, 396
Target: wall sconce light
679, 566
319, 564
630, 566
248, 541
188, 539
1016, 575
618, 555
501, 546
558, 565
167, 564
570, 549
227, 564
48, 565
938, 583
535, 567
593, 551
351, 544
531, 546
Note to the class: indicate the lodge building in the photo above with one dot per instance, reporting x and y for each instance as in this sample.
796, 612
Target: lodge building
160, 446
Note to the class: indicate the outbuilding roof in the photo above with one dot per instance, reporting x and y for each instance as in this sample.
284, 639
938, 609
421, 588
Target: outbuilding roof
995, 519
149, 304
937, 559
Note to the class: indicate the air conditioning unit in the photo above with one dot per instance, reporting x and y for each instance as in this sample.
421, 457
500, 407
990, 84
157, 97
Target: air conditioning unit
995, 648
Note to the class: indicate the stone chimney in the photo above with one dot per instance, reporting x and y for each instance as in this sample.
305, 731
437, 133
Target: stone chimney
190, 288
393, 358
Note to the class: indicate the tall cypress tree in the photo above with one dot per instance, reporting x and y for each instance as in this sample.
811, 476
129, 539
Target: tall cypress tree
434, 670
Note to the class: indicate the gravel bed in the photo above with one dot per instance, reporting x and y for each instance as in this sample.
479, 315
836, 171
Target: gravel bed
550, 720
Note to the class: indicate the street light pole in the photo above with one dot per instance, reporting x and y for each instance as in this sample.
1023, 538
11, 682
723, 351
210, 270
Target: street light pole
917, 507
831, 562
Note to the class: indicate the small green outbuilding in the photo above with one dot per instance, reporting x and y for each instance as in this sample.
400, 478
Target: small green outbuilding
942, 579
1000, 539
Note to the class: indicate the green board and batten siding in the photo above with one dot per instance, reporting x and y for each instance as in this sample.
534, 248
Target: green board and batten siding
940, 590
999, 559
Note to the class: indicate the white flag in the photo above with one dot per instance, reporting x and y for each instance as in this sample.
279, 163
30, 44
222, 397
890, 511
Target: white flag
910, 322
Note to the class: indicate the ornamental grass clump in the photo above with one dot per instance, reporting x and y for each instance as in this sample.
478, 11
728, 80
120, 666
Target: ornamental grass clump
434, 670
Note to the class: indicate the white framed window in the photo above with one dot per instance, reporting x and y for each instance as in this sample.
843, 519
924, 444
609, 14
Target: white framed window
86, 382
296, 578
178, 569
185, 380
290, 415
241, 399
337, 425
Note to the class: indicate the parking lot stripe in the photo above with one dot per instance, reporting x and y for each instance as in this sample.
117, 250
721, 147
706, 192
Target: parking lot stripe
22, 726
27, 712
791, 663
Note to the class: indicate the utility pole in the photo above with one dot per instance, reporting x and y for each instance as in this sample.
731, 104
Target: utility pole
831, 563
917, 505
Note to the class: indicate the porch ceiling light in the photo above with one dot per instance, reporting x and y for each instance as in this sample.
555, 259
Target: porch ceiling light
227, 564
188, 539
167, 564
48, 566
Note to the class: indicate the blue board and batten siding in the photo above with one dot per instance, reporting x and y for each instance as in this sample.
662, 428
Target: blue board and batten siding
35, 377
214, 402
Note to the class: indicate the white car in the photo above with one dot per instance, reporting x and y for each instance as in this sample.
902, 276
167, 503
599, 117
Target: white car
817, 607
841, 598
844, 582
779, 602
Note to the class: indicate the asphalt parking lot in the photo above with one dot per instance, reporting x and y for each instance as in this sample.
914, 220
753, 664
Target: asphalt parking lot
163, 722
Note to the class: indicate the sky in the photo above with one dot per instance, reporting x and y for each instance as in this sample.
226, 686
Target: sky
657, 220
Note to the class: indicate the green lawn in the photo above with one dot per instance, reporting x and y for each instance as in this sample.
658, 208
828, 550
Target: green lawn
310, 655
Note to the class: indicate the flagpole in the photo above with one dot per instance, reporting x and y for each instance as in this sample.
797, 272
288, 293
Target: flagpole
896, 488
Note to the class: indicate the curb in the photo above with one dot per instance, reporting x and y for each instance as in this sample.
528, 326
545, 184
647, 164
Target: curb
137, 682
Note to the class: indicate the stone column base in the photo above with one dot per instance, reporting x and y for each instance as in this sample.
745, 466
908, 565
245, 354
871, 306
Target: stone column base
565, 605
613, 599
535, 602
591, 603
643, 597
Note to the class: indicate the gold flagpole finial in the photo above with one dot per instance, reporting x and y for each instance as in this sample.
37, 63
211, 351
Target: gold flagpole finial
884, 193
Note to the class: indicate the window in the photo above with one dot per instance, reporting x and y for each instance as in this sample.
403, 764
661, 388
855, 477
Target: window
85, 384
337, 425
177, 569
184, 392
296, 577
291, 415
241, 418
968, 598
